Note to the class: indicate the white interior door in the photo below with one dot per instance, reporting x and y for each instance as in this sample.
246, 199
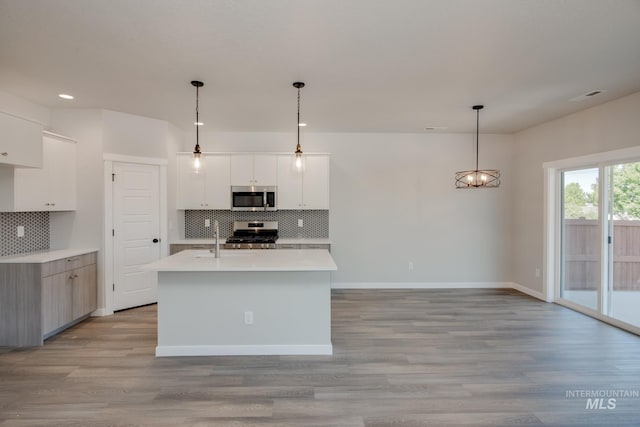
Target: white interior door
136, 220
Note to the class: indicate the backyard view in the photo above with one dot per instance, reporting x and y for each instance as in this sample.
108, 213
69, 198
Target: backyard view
583, 240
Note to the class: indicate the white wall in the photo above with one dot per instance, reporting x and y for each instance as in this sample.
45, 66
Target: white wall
131, 135
603, 128
393, 202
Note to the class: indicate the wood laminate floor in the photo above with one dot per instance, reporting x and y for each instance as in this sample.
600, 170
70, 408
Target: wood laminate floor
401, 358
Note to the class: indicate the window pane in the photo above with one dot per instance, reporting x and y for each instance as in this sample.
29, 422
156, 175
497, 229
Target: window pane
625, 250
581, 238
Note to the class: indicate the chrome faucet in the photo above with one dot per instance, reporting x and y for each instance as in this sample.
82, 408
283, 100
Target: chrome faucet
217, 235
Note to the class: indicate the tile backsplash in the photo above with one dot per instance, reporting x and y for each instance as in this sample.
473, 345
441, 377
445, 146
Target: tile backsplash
316, 222
36, 232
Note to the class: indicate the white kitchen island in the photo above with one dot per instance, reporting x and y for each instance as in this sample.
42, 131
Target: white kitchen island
247, 302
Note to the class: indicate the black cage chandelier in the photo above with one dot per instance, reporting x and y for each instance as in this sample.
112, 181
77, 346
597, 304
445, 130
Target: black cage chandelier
478, 178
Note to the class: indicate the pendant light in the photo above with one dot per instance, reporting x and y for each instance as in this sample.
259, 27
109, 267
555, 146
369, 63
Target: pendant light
478, 178
298, 153
196, 151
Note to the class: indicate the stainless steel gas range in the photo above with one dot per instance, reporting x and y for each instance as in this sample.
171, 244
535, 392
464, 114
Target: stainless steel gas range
253, 235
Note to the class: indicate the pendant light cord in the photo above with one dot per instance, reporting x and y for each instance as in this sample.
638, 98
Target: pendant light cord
197, 117
477, 136
298, 124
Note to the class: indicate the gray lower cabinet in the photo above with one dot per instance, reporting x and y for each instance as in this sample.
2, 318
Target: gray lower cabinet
40, 299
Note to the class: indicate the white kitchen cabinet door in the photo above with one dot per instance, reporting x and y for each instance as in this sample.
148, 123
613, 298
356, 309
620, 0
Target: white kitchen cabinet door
20, 142
52, 187
218, 181
60, 160
191, 185
315, 182
289, 183
242, 169
308, 189
209, 188
265, 167
254, 169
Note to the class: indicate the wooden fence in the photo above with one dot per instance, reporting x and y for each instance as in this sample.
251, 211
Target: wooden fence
582, 240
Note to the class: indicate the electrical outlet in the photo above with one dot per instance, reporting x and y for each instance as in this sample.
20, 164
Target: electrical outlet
300, 223
410, 265
207, 222
248, 317
20, 231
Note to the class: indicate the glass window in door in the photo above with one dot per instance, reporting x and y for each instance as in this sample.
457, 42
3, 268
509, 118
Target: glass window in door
581, 237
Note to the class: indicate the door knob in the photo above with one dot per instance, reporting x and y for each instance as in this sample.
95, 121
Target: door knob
156, 240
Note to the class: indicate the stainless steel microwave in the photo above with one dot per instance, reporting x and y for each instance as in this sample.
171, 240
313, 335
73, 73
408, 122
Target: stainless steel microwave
253, 198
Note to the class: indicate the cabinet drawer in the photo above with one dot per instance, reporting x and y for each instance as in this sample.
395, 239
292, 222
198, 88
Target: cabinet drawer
315, 246
66, 264
287, 246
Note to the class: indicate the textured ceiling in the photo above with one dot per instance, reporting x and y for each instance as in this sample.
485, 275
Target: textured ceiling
369, 65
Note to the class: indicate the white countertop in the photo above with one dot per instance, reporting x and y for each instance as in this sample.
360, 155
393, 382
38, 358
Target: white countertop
247, 260
44, 256
281, 240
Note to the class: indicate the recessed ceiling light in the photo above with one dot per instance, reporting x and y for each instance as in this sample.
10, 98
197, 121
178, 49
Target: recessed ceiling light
435, 127
302, 124
198, 123
586, 96
65, 96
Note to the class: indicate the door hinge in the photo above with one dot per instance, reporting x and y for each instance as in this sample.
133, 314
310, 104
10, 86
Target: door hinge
114, 287
113, 232
113, 177
609, 239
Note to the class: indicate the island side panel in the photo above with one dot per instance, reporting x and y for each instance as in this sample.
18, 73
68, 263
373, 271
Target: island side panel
202, 313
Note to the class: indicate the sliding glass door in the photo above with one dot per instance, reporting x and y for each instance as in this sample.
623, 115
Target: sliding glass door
623, 290
581, 237
600, 240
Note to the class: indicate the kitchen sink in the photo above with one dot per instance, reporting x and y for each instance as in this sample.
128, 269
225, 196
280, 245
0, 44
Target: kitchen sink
223, 254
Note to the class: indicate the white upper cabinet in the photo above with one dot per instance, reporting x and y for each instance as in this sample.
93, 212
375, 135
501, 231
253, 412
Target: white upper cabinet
209, 188
20, 142
308, 189
49, 188
254, 169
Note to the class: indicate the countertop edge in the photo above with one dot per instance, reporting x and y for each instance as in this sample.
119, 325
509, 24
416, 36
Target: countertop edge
40, 257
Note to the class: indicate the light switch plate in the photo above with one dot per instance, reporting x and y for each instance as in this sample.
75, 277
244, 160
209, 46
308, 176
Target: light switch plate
300, 223
207, 222
20, 231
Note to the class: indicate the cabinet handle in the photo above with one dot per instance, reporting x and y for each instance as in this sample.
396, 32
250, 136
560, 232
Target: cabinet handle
75, 276
4, 153
46, 204
70, 277
53, 204
73, 259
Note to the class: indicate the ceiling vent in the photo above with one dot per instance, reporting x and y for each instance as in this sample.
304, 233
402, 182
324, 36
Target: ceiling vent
586, 96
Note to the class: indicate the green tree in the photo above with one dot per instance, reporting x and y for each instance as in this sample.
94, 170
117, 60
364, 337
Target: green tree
574, 201
626, 190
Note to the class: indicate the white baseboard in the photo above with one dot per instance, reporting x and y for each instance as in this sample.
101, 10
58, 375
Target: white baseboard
101, 312
242, 350
421, 285
530, 292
